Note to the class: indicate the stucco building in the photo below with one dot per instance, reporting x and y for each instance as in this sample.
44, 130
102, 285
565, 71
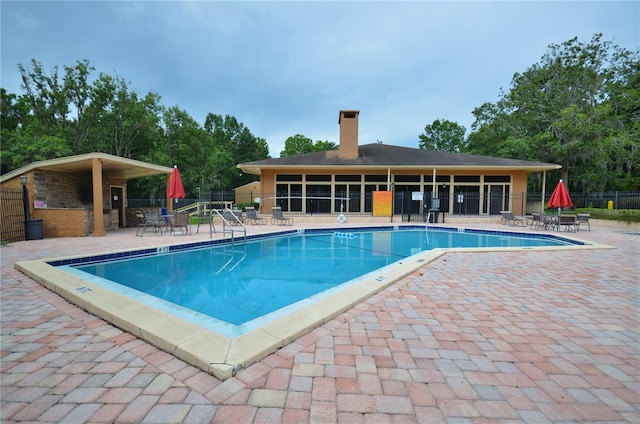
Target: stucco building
345, 179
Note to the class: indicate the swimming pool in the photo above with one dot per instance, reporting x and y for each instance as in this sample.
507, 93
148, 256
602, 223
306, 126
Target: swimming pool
239, 283
221, 347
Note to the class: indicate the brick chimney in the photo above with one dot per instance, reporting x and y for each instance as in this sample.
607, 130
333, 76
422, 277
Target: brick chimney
348, 121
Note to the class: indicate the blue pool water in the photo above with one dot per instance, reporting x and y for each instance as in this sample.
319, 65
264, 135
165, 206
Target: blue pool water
237, 283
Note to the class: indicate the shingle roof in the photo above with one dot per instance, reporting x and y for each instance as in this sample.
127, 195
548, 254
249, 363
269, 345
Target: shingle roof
382, 155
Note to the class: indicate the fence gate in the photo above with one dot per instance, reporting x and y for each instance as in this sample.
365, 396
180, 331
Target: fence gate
12, 215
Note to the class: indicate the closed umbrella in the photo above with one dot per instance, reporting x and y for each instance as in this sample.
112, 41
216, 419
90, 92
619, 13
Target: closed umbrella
560, 198
175, 189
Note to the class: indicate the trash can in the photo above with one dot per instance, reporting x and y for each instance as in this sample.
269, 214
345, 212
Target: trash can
164, 212
34, 229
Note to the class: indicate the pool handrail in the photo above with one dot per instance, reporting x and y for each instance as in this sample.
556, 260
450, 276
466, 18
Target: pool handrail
226, 225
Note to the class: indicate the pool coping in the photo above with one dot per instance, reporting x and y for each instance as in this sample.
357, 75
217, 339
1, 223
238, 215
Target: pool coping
223, 356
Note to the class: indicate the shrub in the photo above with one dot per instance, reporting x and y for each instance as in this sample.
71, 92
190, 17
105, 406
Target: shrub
625, 215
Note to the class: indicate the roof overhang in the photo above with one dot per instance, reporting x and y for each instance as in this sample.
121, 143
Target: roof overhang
112, 166
257, 169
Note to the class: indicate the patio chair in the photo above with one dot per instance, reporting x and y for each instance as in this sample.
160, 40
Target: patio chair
180, 221
540, 219
583, 218
278, 218
253, 218
231, 217
568, 221
535, 221
511, 219
548, 221
150, 220
141, 224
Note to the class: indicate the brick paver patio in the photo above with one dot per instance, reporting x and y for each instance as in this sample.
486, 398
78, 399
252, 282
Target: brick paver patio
536, 337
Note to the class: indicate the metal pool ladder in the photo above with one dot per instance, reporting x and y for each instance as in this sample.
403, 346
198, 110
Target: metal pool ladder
229, 220
429, 215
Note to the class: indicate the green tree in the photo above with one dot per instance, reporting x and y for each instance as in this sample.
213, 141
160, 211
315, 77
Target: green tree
299, 144
571, 109
128, 122
231, 143
14, 112
443, 136
66, 113
322, 146
48, 99
78, 93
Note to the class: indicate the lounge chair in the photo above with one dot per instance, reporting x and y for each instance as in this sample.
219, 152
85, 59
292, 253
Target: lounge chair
252, 216
569, 222
150, 220
511, 219
583, 218
231, 217
278, 218
180, 221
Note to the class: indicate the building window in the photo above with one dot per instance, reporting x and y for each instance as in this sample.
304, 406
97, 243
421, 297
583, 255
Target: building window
348, 178
497, 178
287, 177
318, 178
375, 178
466, 178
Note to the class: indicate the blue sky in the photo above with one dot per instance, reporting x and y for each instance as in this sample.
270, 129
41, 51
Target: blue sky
286, 68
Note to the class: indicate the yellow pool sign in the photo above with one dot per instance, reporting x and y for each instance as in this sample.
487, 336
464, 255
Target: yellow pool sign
382, 203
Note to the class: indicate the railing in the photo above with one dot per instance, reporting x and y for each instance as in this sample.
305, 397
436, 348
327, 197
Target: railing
473, 203
226, 216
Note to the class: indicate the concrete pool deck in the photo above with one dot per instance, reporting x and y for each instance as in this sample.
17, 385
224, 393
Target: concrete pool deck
536, 336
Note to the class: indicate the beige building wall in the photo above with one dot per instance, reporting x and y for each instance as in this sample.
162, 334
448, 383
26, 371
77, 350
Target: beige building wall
247, 193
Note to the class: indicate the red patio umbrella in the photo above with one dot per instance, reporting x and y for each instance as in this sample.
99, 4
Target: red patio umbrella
560, 197
175, 189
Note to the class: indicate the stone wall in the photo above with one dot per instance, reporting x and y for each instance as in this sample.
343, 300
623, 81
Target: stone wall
69, 199
60, 189
66, 190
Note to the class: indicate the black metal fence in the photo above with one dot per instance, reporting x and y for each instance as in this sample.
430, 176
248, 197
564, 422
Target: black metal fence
464, 203
599, 200
403, 204
12, 223
12, 215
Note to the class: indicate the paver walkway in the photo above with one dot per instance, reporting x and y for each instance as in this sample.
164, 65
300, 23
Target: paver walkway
532, 337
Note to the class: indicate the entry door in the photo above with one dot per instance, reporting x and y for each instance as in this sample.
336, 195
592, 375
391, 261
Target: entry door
498, 200
116, 203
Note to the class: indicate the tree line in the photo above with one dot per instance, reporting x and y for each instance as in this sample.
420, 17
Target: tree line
64, 112
578, 107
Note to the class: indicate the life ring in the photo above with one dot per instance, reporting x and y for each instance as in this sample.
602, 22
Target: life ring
341, 218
